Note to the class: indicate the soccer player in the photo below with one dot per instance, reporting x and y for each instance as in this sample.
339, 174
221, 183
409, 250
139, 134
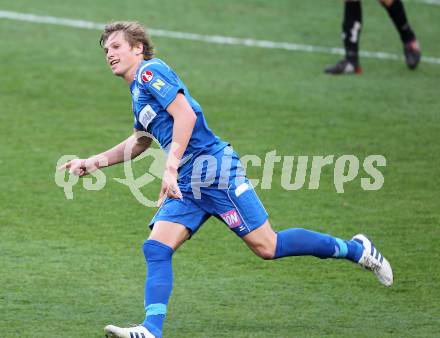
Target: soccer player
163, 107
351, 31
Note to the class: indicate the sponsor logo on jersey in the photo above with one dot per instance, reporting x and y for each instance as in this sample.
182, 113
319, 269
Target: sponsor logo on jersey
147, 75
232, 218
160, 86
146, 115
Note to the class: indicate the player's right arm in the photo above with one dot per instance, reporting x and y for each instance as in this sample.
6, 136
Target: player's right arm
134, 145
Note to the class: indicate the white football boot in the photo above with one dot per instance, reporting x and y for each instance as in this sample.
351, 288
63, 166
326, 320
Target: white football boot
374, 261
112, 331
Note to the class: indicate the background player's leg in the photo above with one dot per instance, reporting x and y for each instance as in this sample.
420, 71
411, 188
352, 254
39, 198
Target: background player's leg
397, 13
268, 244
164, 239
351, 30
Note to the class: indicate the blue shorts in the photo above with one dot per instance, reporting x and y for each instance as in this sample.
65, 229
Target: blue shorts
229, 196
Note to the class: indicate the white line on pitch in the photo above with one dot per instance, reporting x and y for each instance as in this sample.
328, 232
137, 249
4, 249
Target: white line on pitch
428, 2
225, 40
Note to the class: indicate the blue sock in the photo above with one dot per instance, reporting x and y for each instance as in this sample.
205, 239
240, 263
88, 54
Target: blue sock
158, 284
302, 242
350, 250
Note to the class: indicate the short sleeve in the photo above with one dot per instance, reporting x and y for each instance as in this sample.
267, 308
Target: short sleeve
160, 81
137, 125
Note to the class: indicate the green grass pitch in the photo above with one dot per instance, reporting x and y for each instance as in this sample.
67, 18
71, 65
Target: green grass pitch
69, 267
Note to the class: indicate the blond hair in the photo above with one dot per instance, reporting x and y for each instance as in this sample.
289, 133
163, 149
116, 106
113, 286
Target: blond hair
134, 33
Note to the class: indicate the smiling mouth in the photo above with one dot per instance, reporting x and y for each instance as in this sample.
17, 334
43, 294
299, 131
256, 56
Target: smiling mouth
114, 62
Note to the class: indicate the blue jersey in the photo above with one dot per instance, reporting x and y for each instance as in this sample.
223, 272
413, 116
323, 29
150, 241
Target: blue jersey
153, 89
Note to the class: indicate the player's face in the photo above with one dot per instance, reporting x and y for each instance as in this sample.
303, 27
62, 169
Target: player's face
122, 59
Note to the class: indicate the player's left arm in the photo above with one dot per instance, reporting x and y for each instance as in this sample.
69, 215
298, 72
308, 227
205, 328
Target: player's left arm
184, 120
